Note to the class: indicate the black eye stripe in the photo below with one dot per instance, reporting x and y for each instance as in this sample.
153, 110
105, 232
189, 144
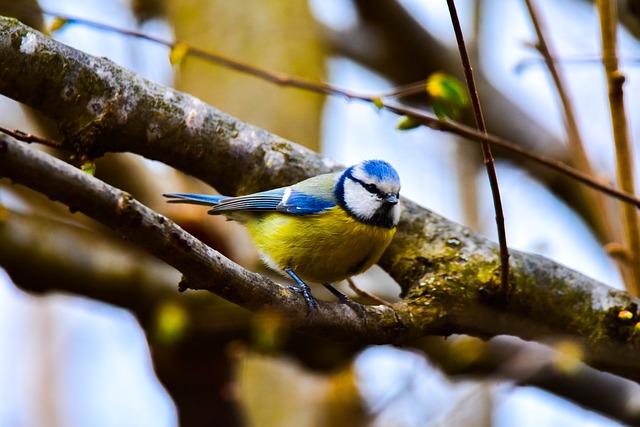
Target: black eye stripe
371, 188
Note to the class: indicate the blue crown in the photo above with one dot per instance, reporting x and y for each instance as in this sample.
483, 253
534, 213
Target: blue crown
380, 170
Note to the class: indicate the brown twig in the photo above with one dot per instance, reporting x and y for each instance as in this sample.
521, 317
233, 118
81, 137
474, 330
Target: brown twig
486, 149
574, 60
624, 154
28, 137
473, 135
601, 215
277, 78
404, 90
364, 294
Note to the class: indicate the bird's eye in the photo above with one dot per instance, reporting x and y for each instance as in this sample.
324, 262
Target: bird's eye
371, 188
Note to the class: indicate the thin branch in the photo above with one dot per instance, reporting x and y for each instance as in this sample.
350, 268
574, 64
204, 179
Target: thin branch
404, 90
473, 135
575, 140
624, 154
601, 215
27, 137
277, 78
486, 148
364, 294
573, 60
328, 89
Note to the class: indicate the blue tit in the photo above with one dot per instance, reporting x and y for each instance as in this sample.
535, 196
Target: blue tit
324, 229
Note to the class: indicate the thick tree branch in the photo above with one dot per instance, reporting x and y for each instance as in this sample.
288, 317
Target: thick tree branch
79, 260
202, 267
449, 276
72, 259
16, 85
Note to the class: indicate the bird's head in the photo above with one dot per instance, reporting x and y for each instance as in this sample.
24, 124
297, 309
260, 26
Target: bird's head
370, 192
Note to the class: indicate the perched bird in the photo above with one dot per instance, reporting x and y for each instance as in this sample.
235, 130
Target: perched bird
324, 229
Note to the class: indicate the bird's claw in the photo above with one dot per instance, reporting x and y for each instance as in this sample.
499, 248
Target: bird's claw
344, 299
312, 302
304, 290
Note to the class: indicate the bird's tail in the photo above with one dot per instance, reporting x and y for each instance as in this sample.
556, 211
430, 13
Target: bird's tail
194, 199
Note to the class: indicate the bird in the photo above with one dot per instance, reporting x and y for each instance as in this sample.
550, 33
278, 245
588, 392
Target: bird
324, 229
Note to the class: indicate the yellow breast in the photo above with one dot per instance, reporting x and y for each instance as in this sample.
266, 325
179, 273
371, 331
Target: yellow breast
324, 248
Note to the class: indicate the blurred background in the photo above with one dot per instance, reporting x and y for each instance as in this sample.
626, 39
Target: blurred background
93, 332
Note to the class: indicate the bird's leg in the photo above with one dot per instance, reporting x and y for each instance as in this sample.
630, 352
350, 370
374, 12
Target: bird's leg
305, 291
344, 299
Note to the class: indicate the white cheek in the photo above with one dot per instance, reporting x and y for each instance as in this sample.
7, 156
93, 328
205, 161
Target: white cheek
359, 201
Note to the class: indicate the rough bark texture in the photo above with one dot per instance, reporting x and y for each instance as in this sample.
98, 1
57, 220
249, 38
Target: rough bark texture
448, 275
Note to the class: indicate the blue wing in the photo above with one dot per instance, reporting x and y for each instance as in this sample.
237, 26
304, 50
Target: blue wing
298, 203
277, 200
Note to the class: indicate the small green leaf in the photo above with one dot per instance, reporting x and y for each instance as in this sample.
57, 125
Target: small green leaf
89, 167
449, 95
378, 103
407, 123
57, 24
178, 53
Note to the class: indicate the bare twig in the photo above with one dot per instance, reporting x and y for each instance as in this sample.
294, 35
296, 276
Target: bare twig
573, 60
473, 135
364, 294
624, 154
27, 137
601, 215
486, 149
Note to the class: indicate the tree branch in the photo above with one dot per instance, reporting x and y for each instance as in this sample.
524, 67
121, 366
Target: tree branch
448, 275
421, 117
202, 267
